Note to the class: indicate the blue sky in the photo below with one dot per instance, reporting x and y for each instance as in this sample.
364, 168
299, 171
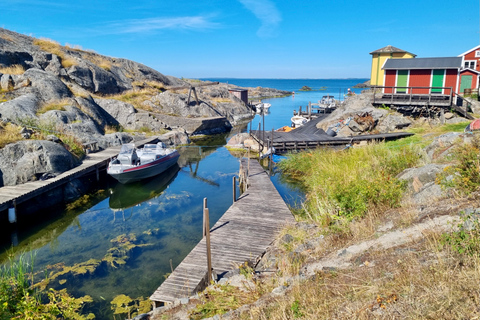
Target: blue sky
250, 38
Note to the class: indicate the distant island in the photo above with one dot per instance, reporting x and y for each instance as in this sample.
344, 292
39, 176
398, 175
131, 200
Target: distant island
307, 88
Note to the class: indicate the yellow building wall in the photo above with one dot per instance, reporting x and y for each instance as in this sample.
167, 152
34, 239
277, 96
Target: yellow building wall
378, 59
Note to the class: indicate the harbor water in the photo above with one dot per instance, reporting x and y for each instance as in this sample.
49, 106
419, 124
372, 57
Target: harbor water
133, 236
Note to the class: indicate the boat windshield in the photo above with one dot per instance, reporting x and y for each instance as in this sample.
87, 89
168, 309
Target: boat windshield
127, 148
149, 148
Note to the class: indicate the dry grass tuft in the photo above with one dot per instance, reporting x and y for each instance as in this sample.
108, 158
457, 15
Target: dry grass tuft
222, 100
13, 69
7, 37
54, 47
9, 133
49, 45
138, 97
98, 60
54, 105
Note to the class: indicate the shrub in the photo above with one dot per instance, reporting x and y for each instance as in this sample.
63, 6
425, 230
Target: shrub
464, 175
466, 238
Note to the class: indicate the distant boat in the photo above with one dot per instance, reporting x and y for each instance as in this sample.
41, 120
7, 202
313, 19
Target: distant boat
298, 121
262, 107
134, 164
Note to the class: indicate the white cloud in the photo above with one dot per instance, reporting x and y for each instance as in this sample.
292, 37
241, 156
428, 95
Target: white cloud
154, 24
267, 13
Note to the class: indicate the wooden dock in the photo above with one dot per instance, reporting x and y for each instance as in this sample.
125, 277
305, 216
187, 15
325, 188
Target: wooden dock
241, 234
309, 136
94, 162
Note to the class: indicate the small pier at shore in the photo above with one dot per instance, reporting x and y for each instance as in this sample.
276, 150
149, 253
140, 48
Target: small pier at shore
241, 235
94, 164
309, 136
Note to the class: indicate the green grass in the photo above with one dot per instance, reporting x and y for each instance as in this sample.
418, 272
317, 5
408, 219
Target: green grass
347, 184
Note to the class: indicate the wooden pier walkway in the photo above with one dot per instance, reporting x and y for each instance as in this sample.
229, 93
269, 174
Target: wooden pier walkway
241, 234
309, 136
10, 195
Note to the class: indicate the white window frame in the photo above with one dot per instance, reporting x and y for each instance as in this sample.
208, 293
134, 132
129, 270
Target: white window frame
477, 54
470, 64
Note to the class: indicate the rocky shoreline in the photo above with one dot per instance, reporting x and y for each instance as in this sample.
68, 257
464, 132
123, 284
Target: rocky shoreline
54, 91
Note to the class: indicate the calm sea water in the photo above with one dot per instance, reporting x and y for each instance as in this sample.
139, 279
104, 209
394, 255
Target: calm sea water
282, 109
163, 215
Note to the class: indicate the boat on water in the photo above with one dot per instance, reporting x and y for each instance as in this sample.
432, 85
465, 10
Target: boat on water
263, 107
298, 121
134, 164
126, 196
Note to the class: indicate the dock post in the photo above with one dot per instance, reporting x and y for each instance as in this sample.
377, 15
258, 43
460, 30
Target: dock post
204, 225
234, 189
98, 173
209, 252
263, 127
12, 213
309, 110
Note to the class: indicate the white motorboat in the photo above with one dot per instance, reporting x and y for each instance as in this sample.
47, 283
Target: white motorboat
298, 121
262, 107
134, 164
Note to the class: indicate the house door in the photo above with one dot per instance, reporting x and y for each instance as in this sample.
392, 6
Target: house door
465, 83
402, 77
437, 80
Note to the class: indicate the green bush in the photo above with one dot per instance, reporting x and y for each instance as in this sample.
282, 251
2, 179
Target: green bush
464, 174
466, 238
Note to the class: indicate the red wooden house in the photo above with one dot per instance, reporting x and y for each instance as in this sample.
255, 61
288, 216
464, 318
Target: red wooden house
445, 76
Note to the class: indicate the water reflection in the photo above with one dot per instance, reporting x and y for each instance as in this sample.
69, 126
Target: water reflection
128, 195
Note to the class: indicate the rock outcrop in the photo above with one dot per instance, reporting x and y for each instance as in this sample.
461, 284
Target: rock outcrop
84, 94
29, 160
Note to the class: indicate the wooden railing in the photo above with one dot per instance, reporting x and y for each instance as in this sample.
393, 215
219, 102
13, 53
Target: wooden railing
408, 95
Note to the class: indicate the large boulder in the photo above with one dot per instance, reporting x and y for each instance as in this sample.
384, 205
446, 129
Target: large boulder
122, 112
96, 112
112, 139
22, 107
393, 122
442, 145
46, 85
421, 183
28, 160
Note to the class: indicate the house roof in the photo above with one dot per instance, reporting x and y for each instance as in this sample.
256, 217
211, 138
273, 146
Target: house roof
423, 63
461, 55
391, 49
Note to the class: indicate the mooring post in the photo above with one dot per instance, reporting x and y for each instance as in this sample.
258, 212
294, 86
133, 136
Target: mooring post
209, 252
204, 232
263, 128
12, 213
234, 189
248, 167
98, 173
